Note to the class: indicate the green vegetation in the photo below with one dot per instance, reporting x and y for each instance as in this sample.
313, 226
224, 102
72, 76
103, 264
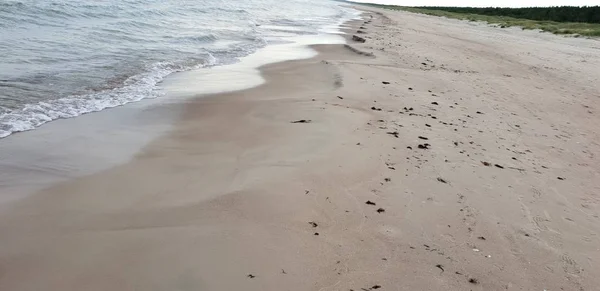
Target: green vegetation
587, 14
583, 20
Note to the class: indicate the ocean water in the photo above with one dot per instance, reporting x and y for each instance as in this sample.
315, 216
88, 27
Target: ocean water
65, 58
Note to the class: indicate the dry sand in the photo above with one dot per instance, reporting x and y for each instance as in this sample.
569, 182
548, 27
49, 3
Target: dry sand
234, 197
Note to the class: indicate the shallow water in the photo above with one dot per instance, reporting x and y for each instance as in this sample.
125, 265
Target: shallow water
61, 59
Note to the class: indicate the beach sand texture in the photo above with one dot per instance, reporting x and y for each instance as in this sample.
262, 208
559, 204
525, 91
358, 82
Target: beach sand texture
446, 156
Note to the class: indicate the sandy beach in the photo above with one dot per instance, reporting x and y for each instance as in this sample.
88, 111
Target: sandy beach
437, 155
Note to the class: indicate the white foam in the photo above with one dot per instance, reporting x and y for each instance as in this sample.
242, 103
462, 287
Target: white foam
137, 87
244, 74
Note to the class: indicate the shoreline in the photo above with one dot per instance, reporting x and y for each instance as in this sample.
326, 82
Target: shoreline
130, 127
439, 163
136, 76
211, 129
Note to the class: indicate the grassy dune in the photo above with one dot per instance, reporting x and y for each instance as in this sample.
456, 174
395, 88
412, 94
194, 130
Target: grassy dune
572, 28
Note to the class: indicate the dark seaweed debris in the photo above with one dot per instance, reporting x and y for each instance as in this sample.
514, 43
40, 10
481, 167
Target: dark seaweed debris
440, 267
302, 121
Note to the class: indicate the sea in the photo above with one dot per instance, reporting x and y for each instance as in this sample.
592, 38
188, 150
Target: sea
64, 58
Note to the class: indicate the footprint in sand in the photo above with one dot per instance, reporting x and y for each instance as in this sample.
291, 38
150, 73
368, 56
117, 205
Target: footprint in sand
537, 194
539, 223
570, 266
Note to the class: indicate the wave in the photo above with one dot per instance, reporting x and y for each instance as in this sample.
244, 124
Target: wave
136, 88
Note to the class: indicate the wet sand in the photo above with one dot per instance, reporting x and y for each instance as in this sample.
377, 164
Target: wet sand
457, 157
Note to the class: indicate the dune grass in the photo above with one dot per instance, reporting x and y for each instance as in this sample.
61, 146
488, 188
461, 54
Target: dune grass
565, 28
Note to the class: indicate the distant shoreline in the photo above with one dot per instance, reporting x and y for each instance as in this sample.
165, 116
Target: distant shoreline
565, 20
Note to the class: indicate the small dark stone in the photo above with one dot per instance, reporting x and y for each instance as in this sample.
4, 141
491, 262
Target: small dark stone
424, 64
499, 166
486, 164
473, 281
302, 121
358, 38
427, 125
456, 143
442, 180
424, 138
380, 210
440, 267
316, 233
479, 112
560, 178
340, 97
409, 88
251, 276
424, 146
385, 83
314, 224
369, 202
434, 103
409, 147
481, 238
376, 287
394, 133
388, 179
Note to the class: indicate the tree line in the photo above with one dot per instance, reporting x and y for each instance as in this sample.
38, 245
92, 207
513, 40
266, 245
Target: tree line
589, 14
